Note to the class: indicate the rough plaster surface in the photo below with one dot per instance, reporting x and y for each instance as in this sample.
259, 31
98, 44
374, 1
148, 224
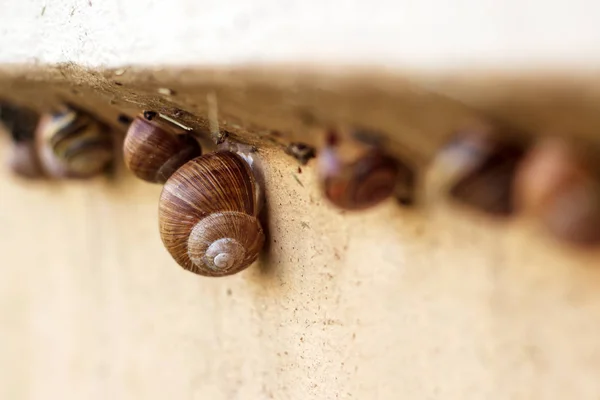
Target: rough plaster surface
397, 34
385, 304
432, 303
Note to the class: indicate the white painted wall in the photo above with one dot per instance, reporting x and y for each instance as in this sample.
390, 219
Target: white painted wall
389, 33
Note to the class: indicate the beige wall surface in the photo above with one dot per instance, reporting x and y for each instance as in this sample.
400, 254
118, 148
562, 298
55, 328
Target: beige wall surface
431, 302
389, 303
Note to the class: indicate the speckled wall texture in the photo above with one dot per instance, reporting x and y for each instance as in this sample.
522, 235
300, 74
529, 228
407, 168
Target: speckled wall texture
431, 302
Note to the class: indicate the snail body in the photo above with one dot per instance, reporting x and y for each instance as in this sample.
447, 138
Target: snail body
154, 149
208, 215
71, 144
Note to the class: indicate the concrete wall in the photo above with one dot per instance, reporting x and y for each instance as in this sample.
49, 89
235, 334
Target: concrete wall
431, 302
382, 304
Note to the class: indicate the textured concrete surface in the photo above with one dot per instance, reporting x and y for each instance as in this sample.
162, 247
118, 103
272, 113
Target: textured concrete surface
388, 303
430, 303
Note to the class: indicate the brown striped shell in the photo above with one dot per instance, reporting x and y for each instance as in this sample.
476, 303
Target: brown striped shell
360, 184
23, 160
73, 144
477, 168
554, 184
153, 149
21, 123
208, 213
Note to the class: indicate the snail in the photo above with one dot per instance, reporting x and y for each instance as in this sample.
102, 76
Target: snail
23, 160
477, 169
154, 148
73, 144
554, 184
21, 122
355, 177
208, 215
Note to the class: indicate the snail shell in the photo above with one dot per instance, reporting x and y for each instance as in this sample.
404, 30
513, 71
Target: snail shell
208, 215
359, 178
555, 185
477, 168
153, 149
549, 168
73, 144
23, 160
21, 123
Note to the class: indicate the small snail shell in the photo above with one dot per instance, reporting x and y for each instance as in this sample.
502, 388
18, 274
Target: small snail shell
549, 168
462, 155
574, 216
208, 215
360, 181
361, 184
21, 123
477, 169
153, 149
73, 144
553, 184
23, 160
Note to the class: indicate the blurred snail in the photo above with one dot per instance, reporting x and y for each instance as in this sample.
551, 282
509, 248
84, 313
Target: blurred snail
555, 184
154, 148
208, 215
356, 176
477, 169
23, 160
20, 122
73, 144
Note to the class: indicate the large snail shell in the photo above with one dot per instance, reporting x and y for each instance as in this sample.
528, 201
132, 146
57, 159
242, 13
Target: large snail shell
360, 184
153, 151
73, 144
208, 215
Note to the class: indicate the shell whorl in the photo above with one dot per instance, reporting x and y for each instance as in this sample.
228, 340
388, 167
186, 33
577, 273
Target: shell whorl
153, 152
362, 184
208, 215
225, 242
73, 144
